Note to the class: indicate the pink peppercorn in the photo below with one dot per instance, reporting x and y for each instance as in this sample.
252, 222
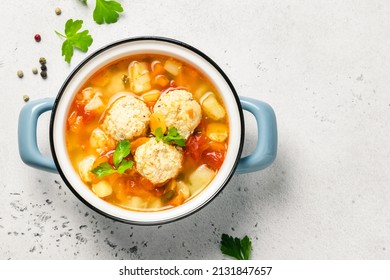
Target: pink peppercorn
37, 37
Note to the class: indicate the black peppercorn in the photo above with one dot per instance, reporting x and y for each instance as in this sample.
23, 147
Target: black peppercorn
44, 67
44, 74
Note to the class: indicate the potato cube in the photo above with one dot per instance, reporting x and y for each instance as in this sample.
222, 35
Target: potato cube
139, 77
200, 178
211, 106
136, 202
95, 104
173, 67
102, 189
183, 189
85, 167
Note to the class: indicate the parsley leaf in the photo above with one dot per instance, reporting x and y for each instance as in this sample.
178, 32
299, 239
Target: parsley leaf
74, 39
172, 137
158, 134
121, 151
107, 11
104, 169
126, 164
175, 137
236, 248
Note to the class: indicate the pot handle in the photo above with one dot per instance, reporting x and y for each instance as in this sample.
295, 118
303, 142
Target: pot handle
267, 140
27, 134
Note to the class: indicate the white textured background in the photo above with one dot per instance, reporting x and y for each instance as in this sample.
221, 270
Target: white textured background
324, 66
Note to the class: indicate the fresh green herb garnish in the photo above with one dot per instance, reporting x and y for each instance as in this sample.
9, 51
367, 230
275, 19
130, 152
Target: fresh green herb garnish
172, 136
74, 39
107, 11
236, 248
104, 169
125, 164
122, 150
158, 134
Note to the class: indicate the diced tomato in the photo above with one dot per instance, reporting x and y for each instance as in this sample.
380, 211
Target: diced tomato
86, 115
196, 145
78, 117
214, 159
106, 157
76, 126
129, 185
145, 183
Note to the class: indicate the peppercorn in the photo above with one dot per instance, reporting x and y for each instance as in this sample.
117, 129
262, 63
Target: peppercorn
34, 70
44, 74
37, 37
44, 67
42, 60
20, 73
26, 98
57, 11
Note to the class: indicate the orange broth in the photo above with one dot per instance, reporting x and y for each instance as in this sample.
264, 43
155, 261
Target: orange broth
203, 148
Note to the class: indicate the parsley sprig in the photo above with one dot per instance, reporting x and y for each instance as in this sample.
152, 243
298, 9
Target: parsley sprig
122, 150
235, 247
74, 39
172, 136
106, 11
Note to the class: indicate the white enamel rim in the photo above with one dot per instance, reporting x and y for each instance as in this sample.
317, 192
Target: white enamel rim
113, 53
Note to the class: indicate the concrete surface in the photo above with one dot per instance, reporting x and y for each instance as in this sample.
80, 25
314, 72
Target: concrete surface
322, 65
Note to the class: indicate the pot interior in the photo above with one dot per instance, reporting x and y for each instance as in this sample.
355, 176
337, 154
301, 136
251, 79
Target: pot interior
121, 50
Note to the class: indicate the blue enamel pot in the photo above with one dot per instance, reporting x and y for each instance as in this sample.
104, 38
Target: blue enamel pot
263, 155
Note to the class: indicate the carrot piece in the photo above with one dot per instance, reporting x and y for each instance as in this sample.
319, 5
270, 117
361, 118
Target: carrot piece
138, 142
191, 113
176, 200
157, 120
157, 68
217, 146
161, 80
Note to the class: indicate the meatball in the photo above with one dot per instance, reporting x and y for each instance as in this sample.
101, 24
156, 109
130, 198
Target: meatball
180, 110
127, 118
158, 161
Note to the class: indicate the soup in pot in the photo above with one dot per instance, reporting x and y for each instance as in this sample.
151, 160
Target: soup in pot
147, 133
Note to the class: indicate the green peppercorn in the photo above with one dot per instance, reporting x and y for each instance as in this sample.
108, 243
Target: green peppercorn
26, 98
34, 70
44, 67
44, 74
42, 60
20, 73
57, 11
